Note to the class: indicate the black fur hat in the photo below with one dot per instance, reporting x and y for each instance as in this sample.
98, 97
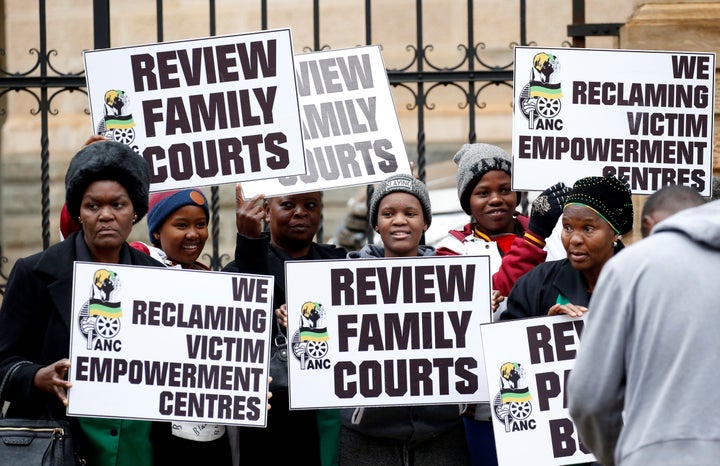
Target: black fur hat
108, 160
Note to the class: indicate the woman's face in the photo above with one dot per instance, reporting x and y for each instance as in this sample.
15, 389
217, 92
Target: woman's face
587, 238
107, 215
183, 234
400, 223
492, 203
294, 219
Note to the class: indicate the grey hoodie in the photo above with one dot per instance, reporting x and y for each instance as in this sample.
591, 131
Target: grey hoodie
644, 389
370, 251
409, 424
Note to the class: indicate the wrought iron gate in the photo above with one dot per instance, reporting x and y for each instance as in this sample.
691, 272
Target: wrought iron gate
419, 77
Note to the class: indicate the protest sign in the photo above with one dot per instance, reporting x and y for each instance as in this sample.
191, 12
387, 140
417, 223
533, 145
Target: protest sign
169, 344
528, 362
387, 332
351, 130
644, 116
202, 112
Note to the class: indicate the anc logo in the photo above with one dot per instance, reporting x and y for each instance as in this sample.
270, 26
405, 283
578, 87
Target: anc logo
117, 123
512, 404
309, 344
100, 315
540, 99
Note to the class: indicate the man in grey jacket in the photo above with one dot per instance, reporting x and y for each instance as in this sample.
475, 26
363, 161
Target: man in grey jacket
644, 386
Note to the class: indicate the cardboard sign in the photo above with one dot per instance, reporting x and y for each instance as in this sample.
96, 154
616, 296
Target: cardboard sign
351, 130
643, 116
202, 112
169, 344
387, 332
527, 363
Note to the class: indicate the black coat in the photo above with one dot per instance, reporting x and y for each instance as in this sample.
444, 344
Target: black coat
35, 323
298, 429
537, 291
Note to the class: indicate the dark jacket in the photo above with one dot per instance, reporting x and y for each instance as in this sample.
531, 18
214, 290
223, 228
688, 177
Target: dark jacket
537, 291
298, 429
35, 322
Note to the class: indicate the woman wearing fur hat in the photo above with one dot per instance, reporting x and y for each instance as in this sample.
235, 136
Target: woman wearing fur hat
399, 211
106, 194
513, 241
597, 212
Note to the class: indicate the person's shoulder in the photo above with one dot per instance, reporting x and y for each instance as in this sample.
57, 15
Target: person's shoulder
141, 258
543, 269
330, 250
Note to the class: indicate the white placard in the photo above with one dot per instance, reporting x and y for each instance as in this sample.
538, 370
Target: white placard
387, 332
646, 116
204, 111
351, 129
527, 363
169, 344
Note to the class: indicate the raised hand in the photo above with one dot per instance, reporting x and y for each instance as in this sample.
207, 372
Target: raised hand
547, 209
249, 214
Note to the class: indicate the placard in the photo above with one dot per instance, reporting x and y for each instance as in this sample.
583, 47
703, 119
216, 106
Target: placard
204, 111
387, 332
645, 116
528, 362
169, 344
351, 129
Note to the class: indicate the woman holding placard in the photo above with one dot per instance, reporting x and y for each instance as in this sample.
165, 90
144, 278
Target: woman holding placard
106, 194
399, 211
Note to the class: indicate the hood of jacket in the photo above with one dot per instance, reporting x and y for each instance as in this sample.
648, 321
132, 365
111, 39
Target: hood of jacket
370, 251
701, 224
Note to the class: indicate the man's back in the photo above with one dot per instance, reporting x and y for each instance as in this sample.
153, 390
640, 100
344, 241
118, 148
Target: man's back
650, 349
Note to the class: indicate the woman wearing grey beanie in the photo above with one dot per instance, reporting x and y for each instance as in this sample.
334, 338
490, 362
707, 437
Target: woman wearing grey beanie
400, 213
514, 242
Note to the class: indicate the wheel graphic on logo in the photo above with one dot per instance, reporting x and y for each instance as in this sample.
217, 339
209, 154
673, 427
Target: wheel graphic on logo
548, 108
107, 327
124, 135
317, 349
520, 410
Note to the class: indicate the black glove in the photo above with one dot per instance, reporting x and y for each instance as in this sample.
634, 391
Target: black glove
547, 208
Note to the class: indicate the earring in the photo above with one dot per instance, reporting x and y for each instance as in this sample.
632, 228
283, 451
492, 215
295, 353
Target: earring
614, 244
134, 218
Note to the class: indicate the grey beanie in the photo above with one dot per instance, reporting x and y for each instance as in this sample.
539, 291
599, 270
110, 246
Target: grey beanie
107, 160
473, 161
400, 183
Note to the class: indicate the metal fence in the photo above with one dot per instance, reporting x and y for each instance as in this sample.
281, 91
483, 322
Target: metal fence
420, 77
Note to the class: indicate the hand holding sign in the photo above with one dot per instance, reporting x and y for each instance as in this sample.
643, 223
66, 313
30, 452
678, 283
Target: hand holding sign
248, 214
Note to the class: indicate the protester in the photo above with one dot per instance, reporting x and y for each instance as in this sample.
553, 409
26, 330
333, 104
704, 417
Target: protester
642, 390
513, 241
178, 228
665, 202
106, 194
310, 435
597, 212
399, 211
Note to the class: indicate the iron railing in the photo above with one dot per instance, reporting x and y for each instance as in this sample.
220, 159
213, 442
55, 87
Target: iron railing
471, 76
